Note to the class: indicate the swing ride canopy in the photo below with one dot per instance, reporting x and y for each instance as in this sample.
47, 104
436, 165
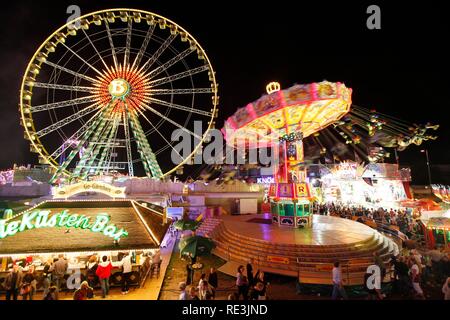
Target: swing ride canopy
305, 108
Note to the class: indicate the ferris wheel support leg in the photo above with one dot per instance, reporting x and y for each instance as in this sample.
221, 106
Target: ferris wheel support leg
128, 144
109, 145
77, 149
147, 155
95, 138
88, 158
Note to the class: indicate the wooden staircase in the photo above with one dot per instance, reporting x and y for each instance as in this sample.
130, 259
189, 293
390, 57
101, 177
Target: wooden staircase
311, 263
208, 226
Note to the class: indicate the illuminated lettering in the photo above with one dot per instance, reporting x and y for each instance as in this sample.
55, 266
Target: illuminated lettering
40, 219
62, 216
12, 228
72, 220
100, 223
83, 223
27, 221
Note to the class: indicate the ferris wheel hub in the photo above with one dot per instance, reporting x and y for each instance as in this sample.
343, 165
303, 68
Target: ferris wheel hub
119, 88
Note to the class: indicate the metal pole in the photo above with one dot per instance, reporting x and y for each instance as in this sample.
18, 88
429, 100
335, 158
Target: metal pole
428, 165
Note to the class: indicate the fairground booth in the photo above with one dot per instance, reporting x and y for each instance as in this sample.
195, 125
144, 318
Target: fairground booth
80, 229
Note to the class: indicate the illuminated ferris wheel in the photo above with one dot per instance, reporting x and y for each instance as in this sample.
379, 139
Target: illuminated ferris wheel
112, 91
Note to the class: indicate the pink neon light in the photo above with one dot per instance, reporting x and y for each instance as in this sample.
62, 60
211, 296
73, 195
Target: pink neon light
251, 111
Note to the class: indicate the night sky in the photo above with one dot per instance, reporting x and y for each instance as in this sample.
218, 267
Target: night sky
400, 70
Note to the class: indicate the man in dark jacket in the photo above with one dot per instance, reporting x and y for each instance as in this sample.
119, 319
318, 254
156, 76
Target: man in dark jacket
13, 282
212, 280
250, 275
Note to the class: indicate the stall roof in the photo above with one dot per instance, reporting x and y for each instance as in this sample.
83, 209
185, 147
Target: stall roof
438, 223
144, 225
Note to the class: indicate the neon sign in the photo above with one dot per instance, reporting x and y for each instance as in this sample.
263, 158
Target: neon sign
265, 180
89, 186
42, 219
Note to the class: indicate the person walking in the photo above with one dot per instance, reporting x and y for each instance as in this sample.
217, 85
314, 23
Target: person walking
104, 272
241, 283
28, 288
13, 282
46, 276
58, 270
213, 281
415, 279
338, 288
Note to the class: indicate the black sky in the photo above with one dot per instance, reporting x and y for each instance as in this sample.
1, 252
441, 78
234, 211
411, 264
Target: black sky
401, 70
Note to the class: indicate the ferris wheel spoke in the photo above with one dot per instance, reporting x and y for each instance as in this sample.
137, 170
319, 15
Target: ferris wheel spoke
63, 87
156, 129
74, 73
60, 104
93, 121
158, 52
65, 121
93, 143
179, 107
170, 63
177, 76
137, 60
83, 60
161, 150
126, 57
111, 44
171, 121
149, 161
95, 48
154, 92
104, 148
126, 129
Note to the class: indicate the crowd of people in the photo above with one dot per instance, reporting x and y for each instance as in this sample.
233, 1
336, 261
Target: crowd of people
250, 285
395, 217
205, 290
408, 272
20, 283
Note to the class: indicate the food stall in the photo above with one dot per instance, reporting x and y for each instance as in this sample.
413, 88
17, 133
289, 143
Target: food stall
438, 232
79, 230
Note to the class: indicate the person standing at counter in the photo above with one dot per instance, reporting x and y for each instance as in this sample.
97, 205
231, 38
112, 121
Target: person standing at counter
92, 266
59, 270
13, 282
46, 276
28, 284
126, 272
104, 272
